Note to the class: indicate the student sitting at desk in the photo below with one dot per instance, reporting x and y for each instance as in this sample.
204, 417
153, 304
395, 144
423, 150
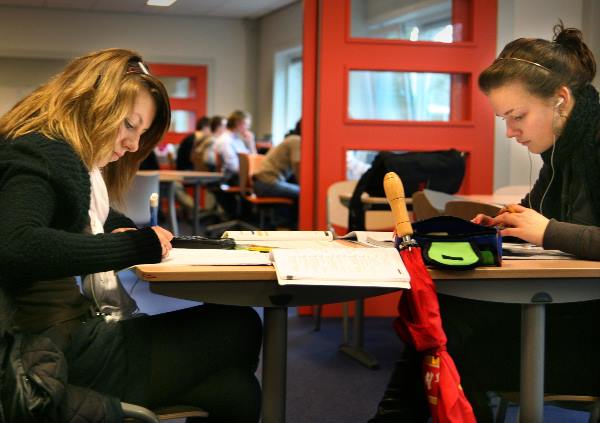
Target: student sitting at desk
542, 89
67, 151
281, 164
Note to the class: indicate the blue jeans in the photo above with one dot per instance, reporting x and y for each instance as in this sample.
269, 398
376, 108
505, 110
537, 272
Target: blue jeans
277, 189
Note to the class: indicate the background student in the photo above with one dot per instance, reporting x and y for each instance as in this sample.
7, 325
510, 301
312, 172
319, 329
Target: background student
67, 154
203, 153
279, 173
186, 146
237, 138
542, 89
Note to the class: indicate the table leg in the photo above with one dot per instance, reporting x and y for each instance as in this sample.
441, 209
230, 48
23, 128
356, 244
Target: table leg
355, 348
173, 210
274, 365
196, 201
533, 320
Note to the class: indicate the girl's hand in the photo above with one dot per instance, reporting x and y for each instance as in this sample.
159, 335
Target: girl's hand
483, 219
523, 223
165, 238
116, 231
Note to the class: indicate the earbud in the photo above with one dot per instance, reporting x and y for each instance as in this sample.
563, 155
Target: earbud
559, 102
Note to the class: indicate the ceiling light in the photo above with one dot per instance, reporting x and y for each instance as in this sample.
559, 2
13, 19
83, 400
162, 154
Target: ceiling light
163, 3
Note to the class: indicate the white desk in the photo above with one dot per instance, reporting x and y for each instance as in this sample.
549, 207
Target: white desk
532, 283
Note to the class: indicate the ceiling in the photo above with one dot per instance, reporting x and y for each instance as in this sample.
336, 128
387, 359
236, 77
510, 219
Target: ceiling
213, 8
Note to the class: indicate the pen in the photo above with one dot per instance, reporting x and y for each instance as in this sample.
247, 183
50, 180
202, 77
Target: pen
154, 209
259, 248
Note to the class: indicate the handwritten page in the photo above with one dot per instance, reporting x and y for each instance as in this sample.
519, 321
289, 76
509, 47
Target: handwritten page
375, 267
191, 256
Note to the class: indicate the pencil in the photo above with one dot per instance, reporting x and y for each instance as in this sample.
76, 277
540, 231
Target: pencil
154, 209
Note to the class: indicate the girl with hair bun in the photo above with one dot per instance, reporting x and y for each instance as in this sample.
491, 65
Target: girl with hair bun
542, 89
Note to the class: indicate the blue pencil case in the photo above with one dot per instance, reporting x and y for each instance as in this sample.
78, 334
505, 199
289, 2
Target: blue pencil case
449, 242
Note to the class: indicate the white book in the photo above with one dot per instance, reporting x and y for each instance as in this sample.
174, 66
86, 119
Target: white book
283, 239
373, 267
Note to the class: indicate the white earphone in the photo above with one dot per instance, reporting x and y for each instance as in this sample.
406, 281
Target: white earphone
559, 101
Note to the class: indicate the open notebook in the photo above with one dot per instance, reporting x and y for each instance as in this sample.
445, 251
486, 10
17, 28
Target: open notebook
374, 267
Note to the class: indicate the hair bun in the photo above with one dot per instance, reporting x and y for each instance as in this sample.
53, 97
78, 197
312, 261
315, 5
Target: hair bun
568, 37
572, 39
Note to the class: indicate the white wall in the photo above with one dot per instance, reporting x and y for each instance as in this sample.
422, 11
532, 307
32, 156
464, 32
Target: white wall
278, 31
221, 44
531, 18
18, 77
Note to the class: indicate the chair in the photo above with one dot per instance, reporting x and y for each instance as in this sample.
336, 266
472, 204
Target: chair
249, 165
217, 229
422, 208
586, 403
467, 210
137, 200
136, 413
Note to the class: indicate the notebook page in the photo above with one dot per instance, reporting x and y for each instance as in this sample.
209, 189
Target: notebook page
341, 266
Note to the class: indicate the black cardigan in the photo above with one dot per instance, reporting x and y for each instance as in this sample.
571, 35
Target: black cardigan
44, 205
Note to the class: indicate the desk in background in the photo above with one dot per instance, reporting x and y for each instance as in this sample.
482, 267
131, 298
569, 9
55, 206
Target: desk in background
188, 177
531, 283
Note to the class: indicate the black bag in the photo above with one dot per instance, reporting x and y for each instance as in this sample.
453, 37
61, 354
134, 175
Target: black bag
33, 376
437, 170
404, 398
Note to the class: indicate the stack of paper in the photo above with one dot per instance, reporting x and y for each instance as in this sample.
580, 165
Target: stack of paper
283, 239
374, 267
371, 238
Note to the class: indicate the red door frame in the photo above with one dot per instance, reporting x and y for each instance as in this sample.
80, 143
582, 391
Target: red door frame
195, 103
329, 53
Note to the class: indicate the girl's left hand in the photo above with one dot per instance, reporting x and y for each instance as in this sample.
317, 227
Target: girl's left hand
523, 223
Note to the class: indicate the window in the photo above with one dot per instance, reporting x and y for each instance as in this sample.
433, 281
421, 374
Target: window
287, 92
186, 86
408, 96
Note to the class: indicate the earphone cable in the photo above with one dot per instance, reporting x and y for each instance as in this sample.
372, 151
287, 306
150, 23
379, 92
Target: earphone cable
551, 177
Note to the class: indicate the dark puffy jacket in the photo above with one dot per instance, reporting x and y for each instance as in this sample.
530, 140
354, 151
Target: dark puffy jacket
33, 383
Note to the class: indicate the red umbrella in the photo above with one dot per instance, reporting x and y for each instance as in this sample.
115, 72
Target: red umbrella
419, 322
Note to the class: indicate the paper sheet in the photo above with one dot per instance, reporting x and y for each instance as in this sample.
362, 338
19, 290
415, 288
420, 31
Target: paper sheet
204, 256
525, 251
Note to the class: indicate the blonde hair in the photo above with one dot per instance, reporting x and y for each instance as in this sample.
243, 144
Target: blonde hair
85, 105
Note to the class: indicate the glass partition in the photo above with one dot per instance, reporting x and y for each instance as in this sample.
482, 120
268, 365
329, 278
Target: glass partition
412, 20
182, 121
179, 87
407, 96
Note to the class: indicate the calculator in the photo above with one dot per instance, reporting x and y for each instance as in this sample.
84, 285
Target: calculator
198, 241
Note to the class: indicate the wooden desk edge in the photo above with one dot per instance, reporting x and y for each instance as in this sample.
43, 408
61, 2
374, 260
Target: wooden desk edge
511, 269
162, 273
